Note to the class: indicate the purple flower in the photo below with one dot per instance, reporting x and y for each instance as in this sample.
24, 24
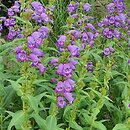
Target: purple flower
31, 42
129, 105
35, 59
84, 37
18, 49
73, 63
107, 52
61, 41
60, 69
53, 80
69, 97
7, 22
90, 26
59, 88
75, 33
110, 7
87, 7
37, 52
44, 30
61, 102
1, 27
111, 49
42, 68
54, 61
128, 61
90, 35
117, 34
45, 18
71, 8
69, 85
16, 7
10, 12
123, 17
22, 56
12, 21
90, 66
109, 34
37, 18
74, 50
20, 36
38, 7
37, 37
74, 15
67, 70
111, 20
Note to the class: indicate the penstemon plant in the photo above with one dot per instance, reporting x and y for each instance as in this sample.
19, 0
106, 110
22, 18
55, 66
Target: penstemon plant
64, 65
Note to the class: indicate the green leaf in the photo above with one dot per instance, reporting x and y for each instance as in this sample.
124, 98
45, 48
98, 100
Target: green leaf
18, 118
120, 127
99, 125
75, 126
40, 121
51, 122
16, 87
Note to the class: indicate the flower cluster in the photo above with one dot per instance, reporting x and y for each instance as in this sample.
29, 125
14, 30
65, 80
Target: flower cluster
39, 13
65, 87
90, 66
34, 41
10, 22
108, 51
83, 31
115, 21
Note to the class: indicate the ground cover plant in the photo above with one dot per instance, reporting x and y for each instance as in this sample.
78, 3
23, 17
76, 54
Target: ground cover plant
65, 65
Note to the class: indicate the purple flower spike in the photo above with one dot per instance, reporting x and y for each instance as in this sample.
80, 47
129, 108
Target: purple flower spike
69, 97
59, 88
87, 7
42, 68
21, 56
107, 52
61, 102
